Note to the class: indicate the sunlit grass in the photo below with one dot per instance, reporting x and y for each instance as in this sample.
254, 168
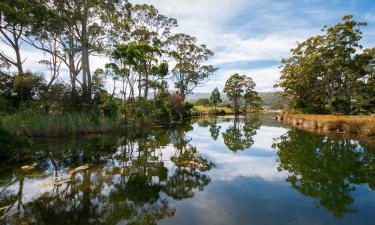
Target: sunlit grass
363, 125
199, 110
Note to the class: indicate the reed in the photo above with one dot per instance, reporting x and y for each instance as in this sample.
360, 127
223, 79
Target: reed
356, 125
66, 124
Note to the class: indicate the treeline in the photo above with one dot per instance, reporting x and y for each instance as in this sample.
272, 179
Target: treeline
144, 50
331, 72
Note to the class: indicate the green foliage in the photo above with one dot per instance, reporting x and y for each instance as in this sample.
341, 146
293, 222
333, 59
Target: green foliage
240, 87
203, 102
326, 169
330, 73
215, 97
189, 71
139, 42
240, 137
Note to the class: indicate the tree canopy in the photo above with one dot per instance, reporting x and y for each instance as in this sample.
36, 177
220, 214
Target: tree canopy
331, 73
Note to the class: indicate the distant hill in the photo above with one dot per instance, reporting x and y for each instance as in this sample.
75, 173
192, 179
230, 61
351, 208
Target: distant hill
270, 99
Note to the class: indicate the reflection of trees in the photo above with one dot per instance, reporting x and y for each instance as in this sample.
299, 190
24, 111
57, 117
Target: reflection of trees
239, 136
187, 174
114, 180
326, 169
214, 129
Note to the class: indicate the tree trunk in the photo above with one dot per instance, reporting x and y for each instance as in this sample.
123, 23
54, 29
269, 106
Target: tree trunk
139, 86
16, 37
86, 76
146, 86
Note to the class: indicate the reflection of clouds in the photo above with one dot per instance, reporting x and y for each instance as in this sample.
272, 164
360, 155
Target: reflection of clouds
265, 135
32, 188
231, 166
258, 161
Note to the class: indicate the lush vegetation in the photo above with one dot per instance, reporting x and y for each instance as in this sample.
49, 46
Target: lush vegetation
240, 91
331, 73
145, 53
328, 73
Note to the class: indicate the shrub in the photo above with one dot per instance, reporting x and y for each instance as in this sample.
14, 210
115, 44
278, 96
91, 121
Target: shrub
340, 104
203, 102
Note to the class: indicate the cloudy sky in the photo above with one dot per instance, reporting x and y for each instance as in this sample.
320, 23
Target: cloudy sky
252, 36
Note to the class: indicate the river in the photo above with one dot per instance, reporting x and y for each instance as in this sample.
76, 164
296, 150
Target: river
214, 170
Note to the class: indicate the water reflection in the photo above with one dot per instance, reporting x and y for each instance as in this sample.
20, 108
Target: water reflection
104, 180
147, 177
327, 169
239, 136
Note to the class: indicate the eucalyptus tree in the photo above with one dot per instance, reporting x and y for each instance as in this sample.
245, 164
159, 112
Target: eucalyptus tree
189, 71
47, 37
324, 71
239, 87
215, 97
151, 27
90, 32
131, 58
57, 38
142, 25
365, 87
251, 98
15, 17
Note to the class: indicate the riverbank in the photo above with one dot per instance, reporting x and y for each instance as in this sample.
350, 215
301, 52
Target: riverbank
351, 125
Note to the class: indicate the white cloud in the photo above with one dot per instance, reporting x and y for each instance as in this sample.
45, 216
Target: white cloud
244, 31
263, 77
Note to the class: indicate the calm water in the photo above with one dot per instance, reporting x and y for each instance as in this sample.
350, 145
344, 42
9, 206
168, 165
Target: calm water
213, 171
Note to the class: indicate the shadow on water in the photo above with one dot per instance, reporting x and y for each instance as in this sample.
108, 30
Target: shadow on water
103, 180
326, 169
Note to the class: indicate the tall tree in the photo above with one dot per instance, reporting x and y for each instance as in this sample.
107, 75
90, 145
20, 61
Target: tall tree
189, 71
151, 27
251, 98
142, 25
15, 17
324, 70
215, 97
237, 87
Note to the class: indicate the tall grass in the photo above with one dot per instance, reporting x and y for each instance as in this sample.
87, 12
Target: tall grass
38, 124
358, 125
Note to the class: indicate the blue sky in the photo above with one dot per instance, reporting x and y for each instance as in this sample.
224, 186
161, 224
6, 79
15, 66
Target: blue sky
252, 36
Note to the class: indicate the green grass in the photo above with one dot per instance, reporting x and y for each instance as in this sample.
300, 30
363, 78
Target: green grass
38, 124
199, 110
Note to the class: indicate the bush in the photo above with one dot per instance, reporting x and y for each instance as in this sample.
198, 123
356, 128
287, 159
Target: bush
203, 102
340, 104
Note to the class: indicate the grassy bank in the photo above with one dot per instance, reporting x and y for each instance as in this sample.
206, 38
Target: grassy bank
41, 125
354, 125
199, 110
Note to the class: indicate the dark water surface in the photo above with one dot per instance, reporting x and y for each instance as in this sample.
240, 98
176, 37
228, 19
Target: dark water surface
222, 170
